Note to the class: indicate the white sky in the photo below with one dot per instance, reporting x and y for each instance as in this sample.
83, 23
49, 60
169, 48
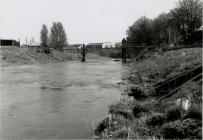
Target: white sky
85, 21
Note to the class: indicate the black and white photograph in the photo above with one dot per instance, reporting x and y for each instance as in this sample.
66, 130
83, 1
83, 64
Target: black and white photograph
101, 69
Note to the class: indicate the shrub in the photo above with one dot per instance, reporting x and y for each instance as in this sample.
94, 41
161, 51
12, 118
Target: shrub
191, 128
173, 114
156, 119
126, 114
194, 113
186, 129
142, 132
137, 93
172, 130
123, 133
102, 126
122, 110
137, 109
115, 107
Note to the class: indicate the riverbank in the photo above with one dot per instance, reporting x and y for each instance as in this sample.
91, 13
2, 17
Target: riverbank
16, 55
142, 115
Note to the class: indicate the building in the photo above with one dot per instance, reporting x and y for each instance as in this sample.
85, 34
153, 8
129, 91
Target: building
108, 45
74, 46
94, 46
9, 42
100, 45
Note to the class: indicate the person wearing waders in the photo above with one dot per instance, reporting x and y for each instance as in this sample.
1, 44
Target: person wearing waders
124, 42
83, 53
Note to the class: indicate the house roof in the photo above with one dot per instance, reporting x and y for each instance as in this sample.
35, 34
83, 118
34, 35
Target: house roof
7, 39
95, 44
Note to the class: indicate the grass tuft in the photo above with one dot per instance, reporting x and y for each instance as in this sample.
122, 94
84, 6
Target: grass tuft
137, 93
173, 130
102, 126
178, 129
121, 110
138, 109
156, 119
173, 114
194, 113
124, 133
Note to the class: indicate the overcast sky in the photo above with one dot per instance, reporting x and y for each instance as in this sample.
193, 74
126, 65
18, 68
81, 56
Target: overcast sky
85, 21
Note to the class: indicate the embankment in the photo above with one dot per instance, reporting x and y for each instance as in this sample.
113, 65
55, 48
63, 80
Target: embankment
16, 55
140, 115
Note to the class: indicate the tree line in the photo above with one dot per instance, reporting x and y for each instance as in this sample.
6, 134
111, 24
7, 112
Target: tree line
57, 37
185, 19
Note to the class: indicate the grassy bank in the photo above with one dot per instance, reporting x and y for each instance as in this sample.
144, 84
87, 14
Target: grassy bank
15, 55
141, 116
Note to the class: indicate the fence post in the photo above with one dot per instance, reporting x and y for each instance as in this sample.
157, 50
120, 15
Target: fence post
83, 53
124, 50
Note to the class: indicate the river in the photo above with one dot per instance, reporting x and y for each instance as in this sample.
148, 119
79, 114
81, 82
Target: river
57, 100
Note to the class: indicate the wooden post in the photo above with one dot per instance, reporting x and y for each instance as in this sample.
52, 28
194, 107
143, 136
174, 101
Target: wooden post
83, 53
124, 50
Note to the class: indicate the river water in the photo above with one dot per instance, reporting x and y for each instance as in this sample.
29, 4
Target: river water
58, 100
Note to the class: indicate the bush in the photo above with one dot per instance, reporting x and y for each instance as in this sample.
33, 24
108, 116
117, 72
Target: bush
47, 50
118, 106
122, 110
123, 133
142, 132
194, 113
137, 93
172, 130
137, 109
126, 114
186, 129
156, 119
102, 126
173, 114
191, 128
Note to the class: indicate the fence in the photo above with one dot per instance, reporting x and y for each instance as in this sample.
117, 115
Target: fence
124, 52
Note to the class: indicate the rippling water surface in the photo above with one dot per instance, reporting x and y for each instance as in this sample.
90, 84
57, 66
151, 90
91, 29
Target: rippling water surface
57, 101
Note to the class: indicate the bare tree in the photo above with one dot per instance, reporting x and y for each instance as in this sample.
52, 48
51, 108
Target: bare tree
58, 38
187, 17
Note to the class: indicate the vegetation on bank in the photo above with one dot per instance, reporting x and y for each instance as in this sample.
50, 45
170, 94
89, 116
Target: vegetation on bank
56, 39
15, 55
33, 55
185, 21
141, 116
